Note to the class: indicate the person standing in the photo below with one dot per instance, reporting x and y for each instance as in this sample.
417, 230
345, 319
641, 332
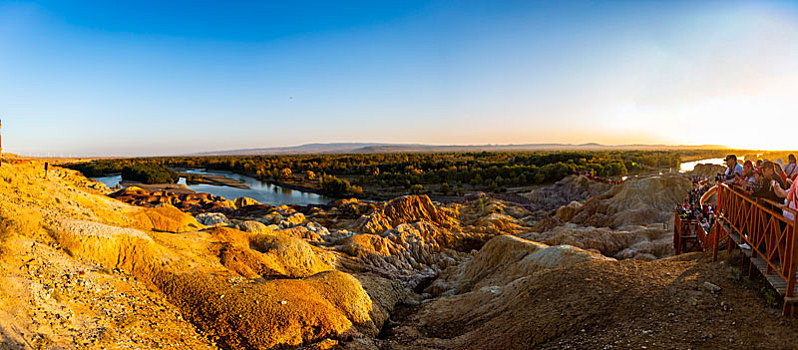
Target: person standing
747, 181
733, 169
770, 185
791, 169
778, 165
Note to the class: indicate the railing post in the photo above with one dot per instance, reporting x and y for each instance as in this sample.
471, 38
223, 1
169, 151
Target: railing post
718, 224
792, 268
677, 232
715, 241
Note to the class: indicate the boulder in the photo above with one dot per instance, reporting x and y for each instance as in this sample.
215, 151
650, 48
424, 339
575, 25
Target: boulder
257, 228
318, 229
499, 223
354, 208
300, 232
294, 256
567, 212
245, 202
213, 219
293, 220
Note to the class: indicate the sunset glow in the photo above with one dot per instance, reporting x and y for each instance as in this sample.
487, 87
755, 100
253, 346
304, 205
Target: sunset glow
143, 79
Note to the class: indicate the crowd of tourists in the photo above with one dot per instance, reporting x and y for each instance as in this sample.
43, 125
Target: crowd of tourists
771, 180
692, 210
589, 175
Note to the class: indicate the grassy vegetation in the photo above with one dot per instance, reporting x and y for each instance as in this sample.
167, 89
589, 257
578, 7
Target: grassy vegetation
150, 174
396, 173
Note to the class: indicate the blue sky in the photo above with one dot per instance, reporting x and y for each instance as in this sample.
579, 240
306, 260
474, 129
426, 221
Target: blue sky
150, 78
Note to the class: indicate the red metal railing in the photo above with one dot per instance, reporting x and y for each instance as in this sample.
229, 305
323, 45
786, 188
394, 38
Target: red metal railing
761, 225
686, 231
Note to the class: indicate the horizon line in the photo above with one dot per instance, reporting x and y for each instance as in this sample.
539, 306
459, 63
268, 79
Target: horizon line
362, 146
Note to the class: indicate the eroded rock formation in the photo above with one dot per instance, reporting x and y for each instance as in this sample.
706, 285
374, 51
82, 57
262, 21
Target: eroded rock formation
419, 274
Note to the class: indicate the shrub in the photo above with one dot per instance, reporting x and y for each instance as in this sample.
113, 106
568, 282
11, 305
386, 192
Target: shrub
150, 174
333, 186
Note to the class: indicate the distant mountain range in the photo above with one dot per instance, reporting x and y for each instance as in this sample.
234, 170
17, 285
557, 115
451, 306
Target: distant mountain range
338, 148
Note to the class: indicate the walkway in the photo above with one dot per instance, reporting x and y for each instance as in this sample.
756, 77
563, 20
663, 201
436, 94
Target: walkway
758, 229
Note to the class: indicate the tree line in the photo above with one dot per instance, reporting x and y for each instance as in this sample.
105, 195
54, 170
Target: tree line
347, 174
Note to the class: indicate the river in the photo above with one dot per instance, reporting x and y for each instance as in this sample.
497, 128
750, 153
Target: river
689, 166
263, 192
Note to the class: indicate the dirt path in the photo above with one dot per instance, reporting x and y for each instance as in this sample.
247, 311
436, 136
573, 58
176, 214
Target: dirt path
606, 305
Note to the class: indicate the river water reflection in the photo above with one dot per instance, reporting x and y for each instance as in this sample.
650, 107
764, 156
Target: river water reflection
689, 166
263, 192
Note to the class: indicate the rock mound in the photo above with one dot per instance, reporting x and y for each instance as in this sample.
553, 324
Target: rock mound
302, 232
637, 202
630, 242
504, 259
315, 303
241, 202
630, 304
409, 253
194, 203
403, 210
368, 244
499, 223
707, 170
257, 227
411, 240
567, 212
491, 216
165, 218
569, 189
213, 219
277, 313
296, 257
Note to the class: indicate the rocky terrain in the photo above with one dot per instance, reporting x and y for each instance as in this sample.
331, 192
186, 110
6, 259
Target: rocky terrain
707, 170
587, 266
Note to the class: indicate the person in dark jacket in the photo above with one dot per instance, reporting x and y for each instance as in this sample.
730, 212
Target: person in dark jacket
769, 185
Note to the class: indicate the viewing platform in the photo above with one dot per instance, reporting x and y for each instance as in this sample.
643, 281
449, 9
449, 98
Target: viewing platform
758, 228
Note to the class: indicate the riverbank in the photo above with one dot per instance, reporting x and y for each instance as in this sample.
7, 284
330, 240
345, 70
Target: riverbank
228, 185
214, 180
170, 188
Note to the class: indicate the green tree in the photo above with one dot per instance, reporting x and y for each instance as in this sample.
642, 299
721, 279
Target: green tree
311, 176
286, 174
335, 187
150, 174
445, 188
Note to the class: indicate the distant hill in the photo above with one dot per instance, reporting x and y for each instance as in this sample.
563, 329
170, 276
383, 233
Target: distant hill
338, 148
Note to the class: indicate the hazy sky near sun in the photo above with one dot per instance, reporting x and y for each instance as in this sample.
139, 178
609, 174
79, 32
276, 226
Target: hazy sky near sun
170, 77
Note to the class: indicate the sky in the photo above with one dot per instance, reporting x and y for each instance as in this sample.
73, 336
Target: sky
126, 78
